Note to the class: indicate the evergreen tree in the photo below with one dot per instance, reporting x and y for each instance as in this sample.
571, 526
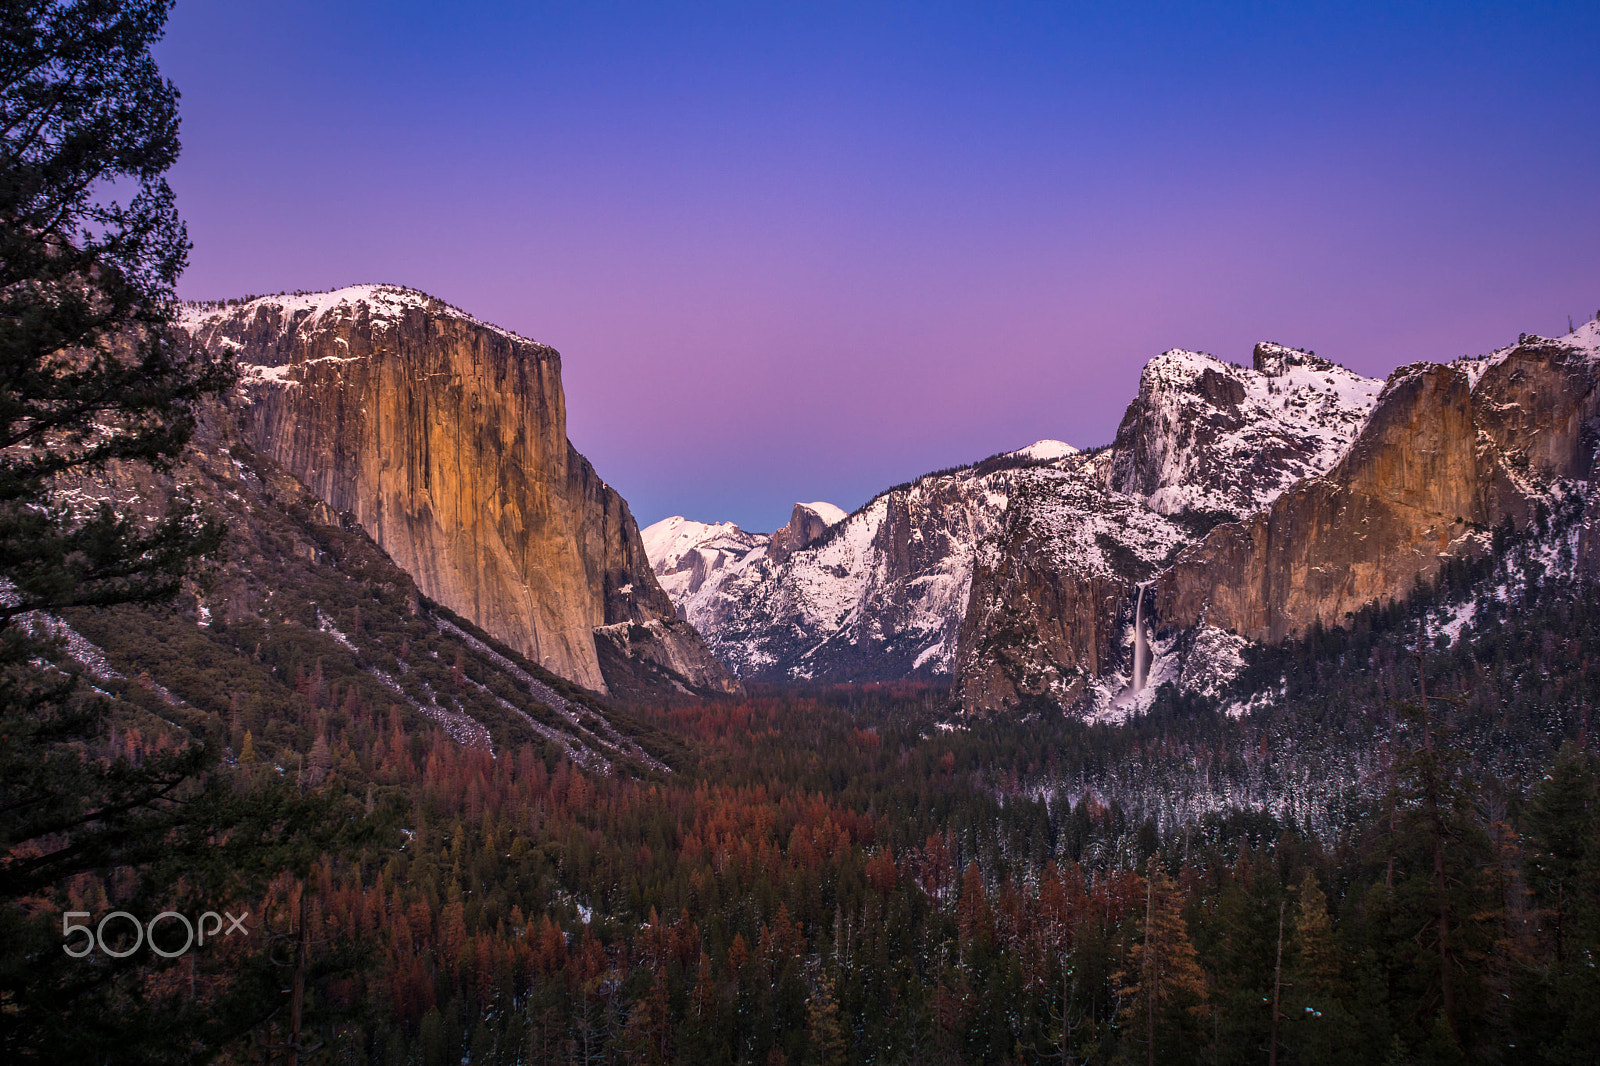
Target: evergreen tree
1561, 1005
1240, 937
826, 1043
1163, 989
92, 376
1560, 818
1436, 925
1318, 1025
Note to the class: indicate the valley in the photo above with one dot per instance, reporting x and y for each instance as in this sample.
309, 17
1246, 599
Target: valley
914, 780
352, 715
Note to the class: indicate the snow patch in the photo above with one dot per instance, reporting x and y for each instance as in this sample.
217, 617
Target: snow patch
304, 313
830, 514
1044, 450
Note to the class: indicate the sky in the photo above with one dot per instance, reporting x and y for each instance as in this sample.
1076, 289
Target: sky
804, 252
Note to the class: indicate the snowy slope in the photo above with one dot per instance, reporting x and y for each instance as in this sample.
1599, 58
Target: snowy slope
829, 513
1208, 435
879, 595
684, 553
305, 312
1586, 338
1045, 450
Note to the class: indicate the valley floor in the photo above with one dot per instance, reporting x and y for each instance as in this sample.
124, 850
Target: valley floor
847, 874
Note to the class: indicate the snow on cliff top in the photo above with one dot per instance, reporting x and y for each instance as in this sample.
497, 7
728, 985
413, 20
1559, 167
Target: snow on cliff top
827, 512
1045, 450
668, 541
1586, 338
1310, 407
385, 304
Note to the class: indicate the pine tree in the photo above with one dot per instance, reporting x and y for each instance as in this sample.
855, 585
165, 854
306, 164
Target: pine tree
1563, 867
1436, 925
1240, 938
824, 1031
1163, 989
93, 377
1560, 816
1318, 1024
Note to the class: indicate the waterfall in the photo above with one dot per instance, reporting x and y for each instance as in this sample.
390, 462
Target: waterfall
1141, 647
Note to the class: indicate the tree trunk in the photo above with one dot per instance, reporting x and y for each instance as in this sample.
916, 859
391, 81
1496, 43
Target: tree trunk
1277, 988
1150, 963
297, 1003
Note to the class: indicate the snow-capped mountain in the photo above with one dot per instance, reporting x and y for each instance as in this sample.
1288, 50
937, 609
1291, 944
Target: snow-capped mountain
877, 594
1054, 537
1235, 504
685, 553
1450, 453
1210, 436
1044, 450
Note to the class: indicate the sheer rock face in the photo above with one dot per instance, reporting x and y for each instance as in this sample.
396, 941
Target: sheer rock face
445, 438
1047, 621
1450, 452
806, 526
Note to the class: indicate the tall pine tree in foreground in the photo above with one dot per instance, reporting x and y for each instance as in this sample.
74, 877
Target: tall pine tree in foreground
92, 375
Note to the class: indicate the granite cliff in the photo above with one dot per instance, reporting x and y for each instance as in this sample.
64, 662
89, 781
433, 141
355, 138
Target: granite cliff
1451, 452
444, 438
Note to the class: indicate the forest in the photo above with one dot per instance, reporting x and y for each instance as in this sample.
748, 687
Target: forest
262, 802
849, 875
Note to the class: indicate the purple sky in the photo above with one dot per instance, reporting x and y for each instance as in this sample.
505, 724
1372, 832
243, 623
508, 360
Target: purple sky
811, 252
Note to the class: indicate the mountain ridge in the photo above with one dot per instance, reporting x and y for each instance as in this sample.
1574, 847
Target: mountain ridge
445, 438
1019, 577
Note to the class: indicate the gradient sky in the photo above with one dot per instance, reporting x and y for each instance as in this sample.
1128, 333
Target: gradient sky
806, 252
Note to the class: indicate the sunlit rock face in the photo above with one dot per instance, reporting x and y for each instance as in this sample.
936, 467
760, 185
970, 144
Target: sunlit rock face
1449, 453
445, 438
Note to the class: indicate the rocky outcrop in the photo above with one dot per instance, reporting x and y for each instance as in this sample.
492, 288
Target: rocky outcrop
445, 439
654, 657
1048, 622
807, 523
1450, 452
1209, 436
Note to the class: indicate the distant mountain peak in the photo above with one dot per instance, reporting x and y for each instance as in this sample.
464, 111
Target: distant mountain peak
685, 553
1044, 450
807, 523
829, 513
